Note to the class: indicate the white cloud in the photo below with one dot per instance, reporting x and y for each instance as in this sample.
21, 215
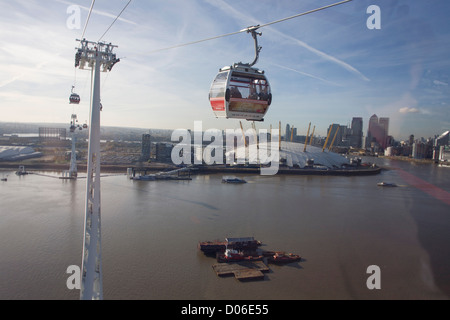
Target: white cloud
441, 83
408, 110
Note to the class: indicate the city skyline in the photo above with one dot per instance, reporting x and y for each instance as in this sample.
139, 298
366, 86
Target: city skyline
357, 124
326, 67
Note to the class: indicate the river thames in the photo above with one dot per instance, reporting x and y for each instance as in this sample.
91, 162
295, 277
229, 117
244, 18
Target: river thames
150, 229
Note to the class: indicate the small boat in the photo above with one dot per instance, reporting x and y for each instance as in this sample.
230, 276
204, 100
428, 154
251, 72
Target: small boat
281, 257
233, 180
21, 171
232, 255
386, 184
149, 177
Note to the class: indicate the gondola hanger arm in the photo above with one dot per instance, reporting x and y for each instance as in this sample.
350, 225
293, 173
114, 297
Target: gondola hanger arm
255, 35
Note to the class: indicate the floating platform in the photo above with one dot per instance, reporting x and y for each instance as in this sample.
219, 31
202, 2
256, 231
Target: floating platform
245, 243
242, 271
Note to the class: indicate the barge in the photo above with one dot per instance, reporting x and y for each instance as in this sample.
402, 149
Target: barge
245, 243
281, 257
232, 255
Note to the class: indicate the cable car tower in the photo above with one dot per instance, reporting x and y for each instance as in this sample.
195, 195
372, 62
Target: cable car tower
73, 157
98, 57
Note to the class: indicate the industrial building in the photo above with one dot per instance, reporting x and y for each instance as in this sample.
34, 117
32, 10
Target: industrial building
13, 153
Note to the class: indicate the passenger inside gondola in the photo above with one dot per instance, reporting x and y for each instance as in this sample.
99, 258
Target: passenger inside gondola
235, 93
253, 94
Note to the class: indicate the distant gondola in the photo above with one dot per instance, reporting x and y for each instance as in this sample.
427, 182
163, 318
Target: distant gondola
74, 97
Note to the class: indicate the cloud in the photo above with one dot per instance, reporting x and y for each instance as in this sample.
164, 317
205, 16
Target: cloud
441, 83
408, 110
405, 110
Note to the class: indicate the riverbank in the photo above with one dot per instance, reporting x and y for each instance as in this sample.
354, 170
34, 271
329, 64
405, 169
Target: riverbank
157, 167
408, 159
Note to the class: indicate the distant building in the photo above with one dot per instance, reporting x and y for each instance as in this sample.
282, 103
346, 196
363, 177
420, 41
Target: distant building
377, 133
384, 124
340, 134
444, 155
411, 140
163, 152
52, 133
356, 135
335, 133
441, 144
15, 153
146, 147
419, 150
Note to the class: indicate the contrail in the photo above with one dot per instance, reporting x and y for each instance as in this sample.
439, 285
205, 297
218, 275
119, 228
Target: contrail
240, 16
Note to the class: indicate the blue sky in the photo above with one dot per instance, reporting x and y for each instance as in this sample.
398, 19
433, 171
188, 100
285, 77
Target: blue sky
324, 68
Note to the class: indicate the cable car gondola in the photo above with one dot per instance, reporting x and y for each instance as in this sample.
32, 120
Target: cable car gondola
241, 91
74, 98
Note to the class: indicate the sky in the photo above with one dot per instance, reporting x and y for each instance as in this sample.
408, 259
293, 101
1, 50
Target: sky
326, 67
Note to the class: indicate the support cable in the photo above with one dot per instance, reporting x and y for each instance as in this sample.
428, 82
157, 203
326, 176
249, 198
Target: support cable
250, 29
304, 13
114, 20
87, 21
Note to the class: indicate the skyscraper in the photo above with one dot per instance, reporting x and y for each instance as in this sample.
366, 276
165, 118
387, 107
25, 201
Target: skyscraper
378, 131
287, 136
384, 124
356, 132
335, 134
146, 147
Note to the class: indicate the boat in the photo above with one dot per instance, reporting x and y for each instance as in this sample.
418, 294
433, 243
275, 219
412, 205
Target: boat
21, 171
148, 177
244, 243
281, 257
233, 180
386, 184
232, 255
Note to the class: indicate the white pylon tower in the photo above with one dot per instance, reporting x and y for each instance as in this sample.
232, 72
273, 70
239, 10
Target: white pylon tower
98, 57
